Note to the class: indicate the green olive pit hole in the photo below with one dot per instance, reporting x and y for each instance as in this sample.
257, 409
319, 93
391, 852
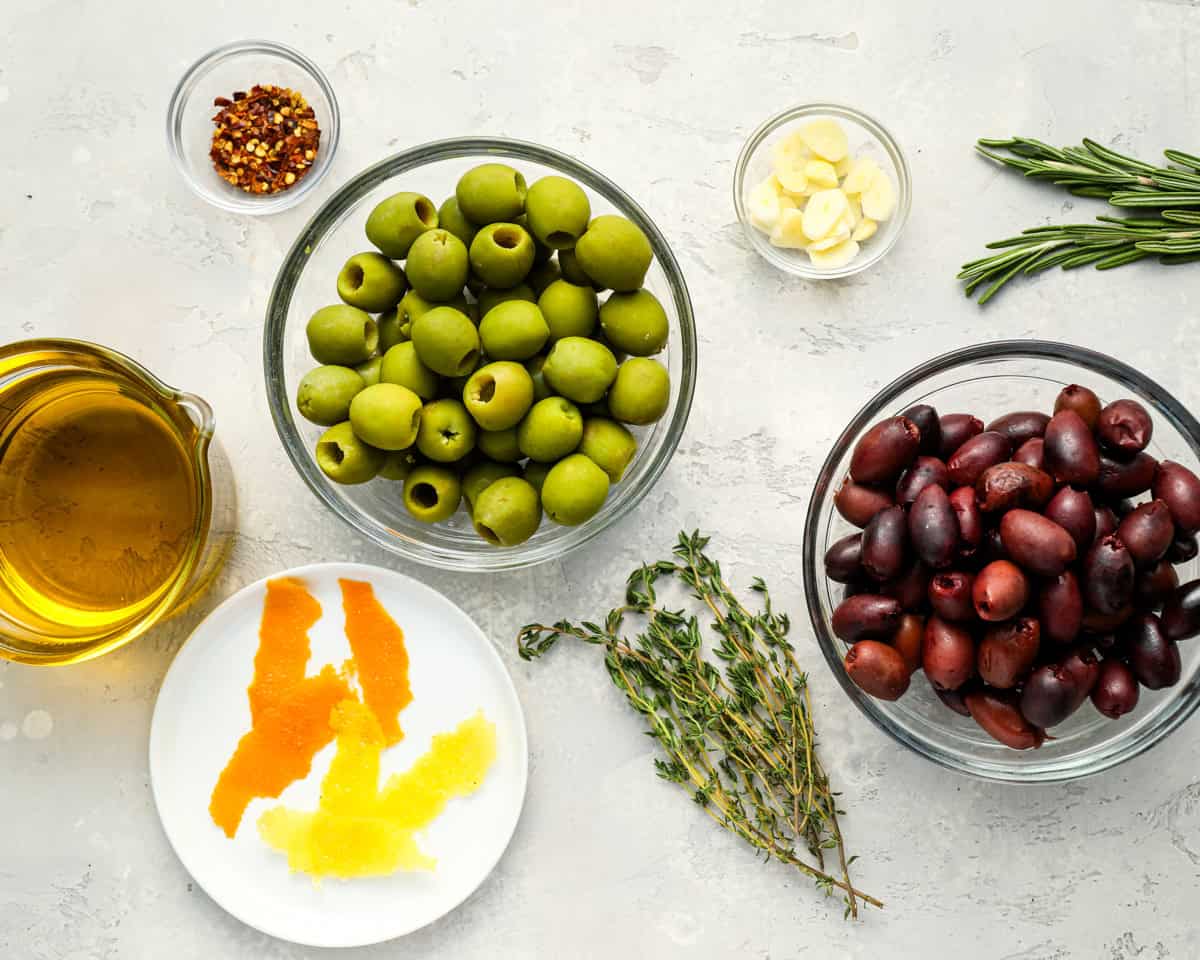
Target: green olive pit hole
508, 239
426, 212
485, 389
354, 276
331, 451
487, 533
425, 495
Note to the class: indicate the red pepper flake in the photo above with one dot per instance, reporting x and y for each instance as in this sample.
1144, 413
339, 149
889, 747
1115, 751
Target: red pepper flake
266, 140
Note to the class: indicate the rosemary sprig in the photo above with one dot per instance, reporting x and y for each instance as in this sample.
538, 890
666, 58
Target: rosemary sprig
1093, 170
740, 738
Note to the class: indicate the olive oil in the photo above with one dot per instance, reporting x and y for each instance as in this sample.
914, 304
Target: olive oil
99, 505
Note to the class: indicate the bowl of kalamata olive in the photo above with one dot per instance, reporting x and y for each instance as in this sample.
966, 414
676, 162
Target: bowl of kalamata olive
1000, 561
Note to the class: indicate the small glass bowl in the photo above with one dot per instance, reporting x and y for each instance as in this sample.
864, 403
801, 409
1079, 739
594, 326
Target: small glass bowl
867, 137
307, 281
239, 66
988, 380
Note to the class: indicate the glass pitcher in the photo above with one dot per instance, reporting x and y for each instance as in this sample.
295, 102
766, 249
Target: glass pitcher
116, 506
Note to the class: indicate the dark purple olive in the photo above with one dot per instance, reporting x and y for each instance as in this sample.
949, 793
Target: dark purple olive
930, 426
957, 429
865, 616
858, 503
1007, 651
1010, 484
1147, 532
970, 520
1123, 508
883, 452
933, 527
909, 639
885, 544
1125, 478
1179, 489
1020, 426
1116, 689
954, 700
1183, 548
878, 669
1037, 544
1000, 591
1049, 695
1153, 587
1071, 454
1181, 614
1072, 510
1032, 452
998, 714
950, 596
1060, 608
1108, 576
1080, 399
1095, 622
947, 654
1152, 657
976, 455
925, 471
992, 548
1106, 523
1124, 427
909, 588
843, 560
1084, 668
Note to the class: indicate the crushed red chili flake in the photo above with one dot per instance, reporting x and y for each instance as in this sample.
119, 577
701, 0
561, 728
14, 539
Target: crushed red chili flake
266, 140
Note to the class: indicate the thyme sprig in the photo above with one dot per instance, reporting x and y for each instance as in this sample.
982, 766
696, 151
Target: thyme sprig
739, 737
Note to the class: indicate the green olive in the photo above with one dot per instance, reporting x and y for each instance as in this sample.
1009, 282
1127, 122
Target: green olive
397, 221
446, 341
614, 252
432, 493
491, 192
608, 445
386, 416
447, 432
451, 218
341, 335
324, 394
534, 367
507, 512
513, 330
398, 464
574, 490
481, 475
499, 395
502, 255
370, 281
500, 445
579, 369
437, 265
635, 322
641, 392
570, 310
393, 328
489, 298
542, 275
402, 365
369, 370
558, 211
535, 473
551, 430
344, 458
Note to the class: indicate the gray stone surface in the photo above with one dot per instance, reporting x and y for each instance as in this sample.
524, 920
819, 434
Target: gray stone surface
100, 240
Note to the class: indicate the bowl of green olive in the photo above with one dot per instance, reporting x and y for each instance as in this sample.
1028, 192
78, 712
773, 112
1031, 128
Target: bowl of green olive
480, 353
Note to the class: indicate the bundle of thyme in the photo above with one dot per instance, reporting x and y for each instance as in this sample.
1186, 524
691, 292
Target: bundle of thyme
1093, 170
740, 739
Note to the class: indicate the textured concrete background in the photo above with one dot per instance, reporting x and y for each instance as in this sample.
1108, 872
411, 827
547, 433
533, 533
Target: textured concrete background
100, 240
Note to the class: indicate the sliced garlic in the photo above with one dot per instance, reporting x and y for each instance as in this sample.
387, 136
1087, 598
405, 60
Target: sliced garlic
879, 199
865, 230
826, 138
821, 173
839, 235
793, 179
824, 209
834, 257
787, 202
789, 231
861, 175
843, 166
763, 204
791, 151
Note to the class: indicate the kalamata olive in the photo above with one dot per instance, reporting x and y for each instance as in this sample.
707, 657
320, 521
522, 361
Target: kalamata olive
1007, 651
1020, 425
1049, 695
1124, 427
1153, 658
879, 669
1060, 608
1000, 591
865, 616
858, 503
930, 425
1116, 689
1123, 508
1010, 484
1032, 452
970, 521
1181, 614
909, 639
950, 596
1147, 532
947, 654
1072, 510
883, 452
1125, 478
1179, 489
1095, 622
957, 429
1153, 587
1084, 667
976, 455
1183, 548
992, 547
1036, 543
1106, 522
1071, 454
954, 700
885, 544
910, 588
933, 527
1080, 399
1107, 576
998, 714
923, 472
843, 560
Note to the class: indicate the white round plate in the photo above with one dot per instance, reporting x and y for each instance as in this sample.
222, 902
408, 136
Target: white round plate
202, 712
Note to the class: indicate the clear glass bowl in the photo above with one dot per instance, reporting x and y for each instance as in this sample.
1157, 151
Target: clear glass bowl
306, 282
239, 66
867, 137
988, 380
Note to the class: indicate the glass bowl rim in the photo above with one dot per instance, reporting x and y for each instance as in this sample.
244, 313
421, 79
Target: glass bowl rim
891, 147
330, 213
185, 88
1055, 771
